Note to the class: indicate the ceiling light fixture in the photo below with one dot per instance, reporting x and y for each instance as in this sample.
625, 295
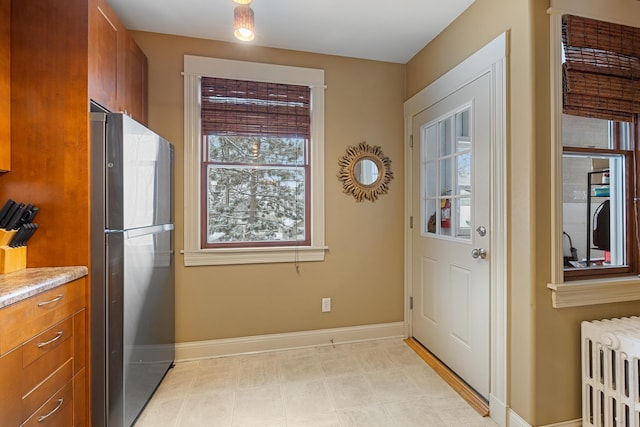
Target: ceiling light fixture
243, 21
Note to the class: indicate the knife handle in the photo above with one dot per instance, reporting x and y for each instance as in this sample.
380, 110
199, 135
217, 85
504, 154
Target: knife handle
31, 228
28, 214
9, 215
7, 206
11, 225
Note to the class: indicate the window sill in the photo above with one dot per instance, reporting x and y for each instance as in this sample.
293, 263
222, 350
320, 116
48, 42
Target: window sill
596, 291
252, 255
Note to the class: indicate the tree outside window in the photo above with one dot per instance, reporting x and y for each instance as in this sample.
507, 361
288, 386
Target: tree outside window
255, 168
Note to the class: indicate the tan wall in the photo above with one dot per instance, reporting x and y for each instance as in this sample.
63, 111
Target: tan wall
544, 343
363, 269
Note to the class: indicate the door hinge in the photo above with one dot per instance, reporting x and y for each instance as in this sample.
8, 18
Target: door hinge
411, 222
411, 141
410, 303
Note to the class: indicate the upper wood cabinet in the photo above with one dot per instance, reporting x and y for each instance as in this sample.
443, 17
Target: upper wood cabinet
132, 78
5, 85
117, 66
103, 56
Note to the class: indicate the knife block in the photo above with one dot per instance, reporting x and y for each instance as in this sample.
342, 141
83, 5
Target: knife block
6, 236
12, 259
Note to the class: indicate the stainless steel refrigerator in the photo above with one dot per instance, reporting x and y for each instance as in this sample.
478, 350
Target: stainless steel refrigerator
132, 267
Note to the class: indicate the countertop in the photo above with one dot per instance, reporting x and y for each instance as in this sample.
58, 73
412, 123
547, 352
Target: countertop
22, 284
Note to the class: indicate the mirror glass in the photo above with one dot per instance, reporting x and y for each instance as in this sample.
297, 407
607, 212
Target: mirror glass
366, 171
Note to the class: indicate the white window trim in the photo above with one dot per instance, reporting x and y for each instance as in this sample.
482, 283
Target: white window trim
194, 68
593, 291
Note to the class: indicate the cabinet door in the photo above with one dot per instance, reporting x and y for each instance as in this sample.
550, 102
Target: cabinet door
80, 406
80, 349
10, 398
5, 85
103, 56
132, 78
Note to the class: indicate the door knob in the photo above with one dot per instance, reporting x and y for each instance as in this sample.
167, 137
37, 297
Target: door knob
479, 253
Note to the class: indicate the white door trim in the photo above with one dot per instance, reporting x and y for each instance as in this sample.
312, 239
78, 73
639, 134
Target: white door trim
489, 59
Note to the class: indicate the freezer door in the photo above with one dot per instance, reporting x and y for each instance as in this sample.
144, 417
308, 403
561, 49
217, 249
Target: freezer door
138, 175
141, 318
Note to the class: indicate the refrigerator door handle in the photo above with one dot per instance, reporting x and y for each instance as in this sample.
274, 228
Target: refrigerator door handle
142, 231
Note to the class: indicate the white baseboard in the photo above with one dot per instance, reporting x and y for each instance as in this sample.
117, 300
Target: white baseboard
273, 342
516, 421
498, 411
572, 423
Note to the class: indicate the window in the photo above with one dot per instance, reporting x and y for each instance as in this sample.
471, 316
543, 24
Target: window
599, 146
255, 167
254, 163
594, 134
596, 216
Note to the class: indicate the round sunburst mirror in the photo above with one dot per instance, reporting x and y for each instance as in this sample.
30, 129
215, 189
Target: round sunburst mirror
365, 172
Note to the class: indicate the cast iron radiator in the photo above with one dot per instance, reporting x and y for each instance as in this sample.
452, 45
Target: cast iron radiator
611, 372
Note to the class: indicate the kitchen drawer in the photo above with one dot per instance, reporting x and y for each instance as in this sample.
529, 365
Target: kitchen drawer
23, 320
43, 391
57, 411
41, 368
46, 341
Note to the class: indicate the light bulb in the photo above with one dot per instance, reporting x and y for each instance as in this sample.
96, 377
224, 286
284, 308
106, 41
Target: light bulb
243, 23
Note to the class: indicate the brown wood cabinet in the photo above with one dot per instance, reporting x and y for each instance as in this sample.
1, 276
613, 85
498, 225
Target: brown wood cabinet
43, 358
103, 55
117, 65
50, 164
57, 67
132, 75
5, 85
62, 56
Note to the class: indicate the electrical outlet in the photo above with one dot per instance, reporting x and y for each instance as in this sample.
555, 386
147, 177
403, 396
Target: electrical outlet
326, 305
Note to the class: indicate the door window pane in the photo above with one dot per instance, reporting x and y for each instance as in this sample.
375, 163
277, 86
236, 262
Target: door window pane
431, 185
431, 218
446, 139
446, 176
463, 174
463, 215
431, 143
463, 125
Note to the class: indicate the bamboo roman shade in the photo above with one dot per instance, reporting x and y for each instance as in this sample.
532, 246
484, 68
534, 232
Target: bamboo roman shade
247, 108
601, 73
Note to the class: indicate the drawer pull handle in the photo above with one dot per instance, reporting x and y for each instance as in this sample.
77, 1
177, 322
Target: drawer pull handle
44, 417
51, 301
52, 340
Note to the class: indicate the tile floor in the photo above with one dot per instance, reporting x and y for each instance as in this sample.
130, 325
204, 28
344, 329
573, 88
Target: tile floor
370, 384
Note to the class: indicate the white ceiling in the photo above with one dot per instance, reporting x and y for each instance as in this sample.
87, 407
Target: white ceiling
383, 30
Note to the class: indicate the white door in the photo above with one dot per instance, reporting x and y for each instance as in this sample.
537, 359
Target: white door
450, 236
